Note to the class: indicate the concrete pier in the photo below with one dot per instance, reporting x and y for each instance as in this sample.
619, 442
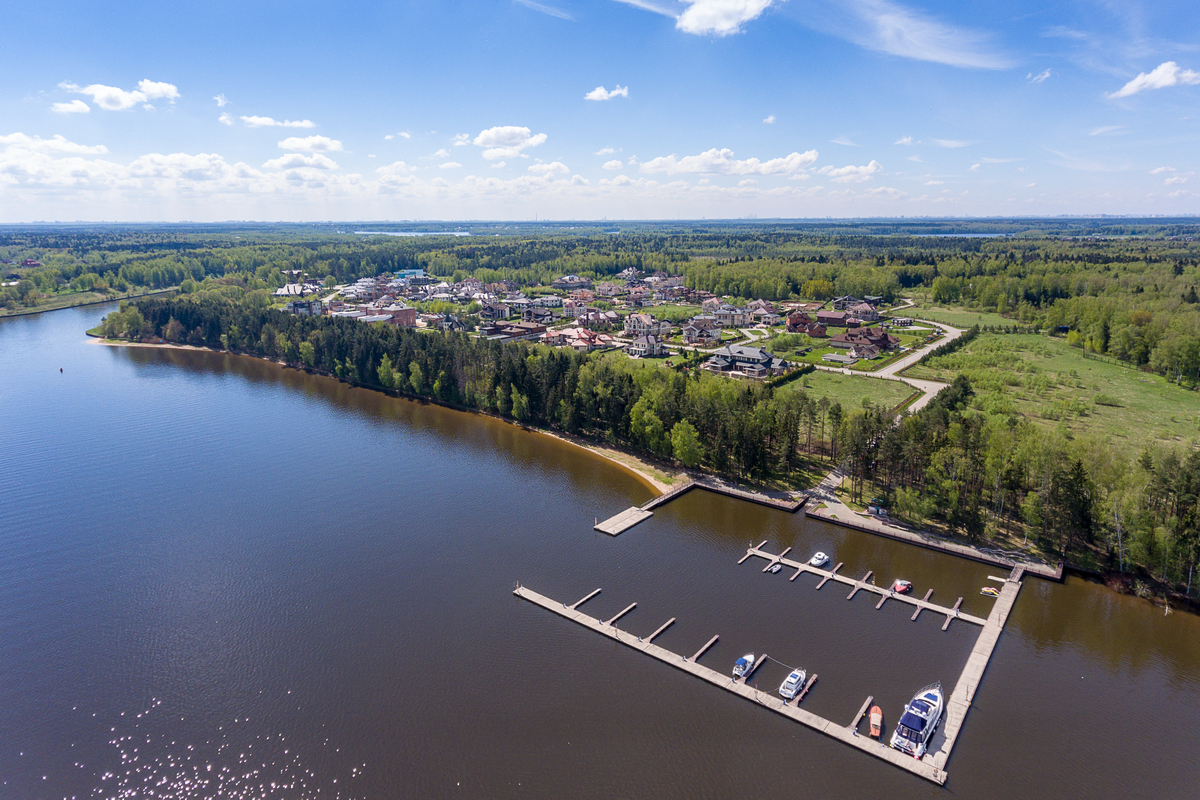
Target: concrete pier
622, 522
865, 586
924, 768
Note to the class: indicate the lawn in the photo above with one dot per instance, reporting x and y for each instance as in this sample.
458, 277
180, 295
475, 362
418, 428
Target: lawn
1046, 380
849, 390
957, 316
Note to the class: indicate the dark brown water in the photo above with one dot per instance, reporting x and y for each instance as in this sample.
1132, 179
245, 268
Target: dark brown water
305, 591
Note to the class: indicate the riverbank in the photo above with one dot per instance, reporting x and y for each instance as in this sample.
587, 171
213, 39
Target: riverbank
96, 299
656, 475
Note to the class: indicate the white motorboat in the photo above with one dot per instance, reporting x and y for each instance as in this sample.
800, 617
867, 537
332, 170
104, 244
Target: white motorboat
920, 719
774, 568
792, 684
743, 665
819, 559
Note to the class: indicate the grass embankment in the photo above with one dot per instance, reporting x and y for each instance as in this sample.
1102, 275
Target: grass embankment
72, 299
1043, 378
957, 316
850, 390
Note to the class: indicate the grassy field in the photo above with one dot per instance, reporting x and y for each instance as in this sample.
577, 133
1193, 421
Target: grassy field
849, 390
958, 316
1045, 379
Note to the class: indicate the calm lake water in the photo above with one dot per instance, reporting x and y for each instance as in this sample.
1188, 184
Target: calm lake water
222, 578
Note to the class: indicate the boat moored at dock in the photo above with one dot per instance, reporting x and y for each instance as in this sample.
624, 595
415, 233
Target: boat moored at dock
743, 665
792, 684
920, 719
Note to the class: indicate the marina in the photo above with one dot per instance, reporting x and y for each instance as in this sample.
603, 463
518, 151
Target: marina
619, 523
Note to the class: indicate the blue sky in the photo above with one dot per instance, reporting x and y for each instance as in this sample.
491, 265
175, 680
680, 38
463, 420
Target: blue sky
566, 109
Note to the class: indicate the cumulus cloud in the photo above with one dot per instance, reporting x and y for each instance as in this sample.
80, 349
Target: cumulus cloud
904, 140
973, 168
441, 153
73, 107
310, 144
462, 139
112, 98
1161, 170
500, 165
934, 183
268, 122
851, 174
952, 143
600, 93
603, 151
1039, 78
395, 169
222, 101
770, 120
449, 165
56, 144
553, 168
296, 161
722, 162
1165, 74
1175, 179
225, 119
507, 141
719, 17
611, 165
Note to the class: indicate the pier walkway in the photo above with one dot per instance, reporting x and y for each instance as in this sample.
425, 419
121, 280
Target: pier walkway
925, 768
864, 584
622, 522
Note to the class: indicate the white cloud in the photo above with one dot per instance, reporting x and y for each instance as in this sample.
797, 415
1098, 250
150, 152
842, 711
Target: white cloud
111, 98
73, 107
891, 28
551, 10
887, 191
225, 119
916, 158
449, 165
1039, 78
851, 174
395, 169
719, 17
1161, 170
296, 161
633, 161
603, 151
904, 140
987, 160
952, 143
1165, 74
553, 168
769, 120
441, 153
222, 100
973, 168
1175, 179
268, 122
507, 141
722, 162
56, 144
1104, 129
500, 165
646, 5
934, 183
844, 141
310, 144
462, 139
404, 135
600, 93
748, 182
387, 137
611, 165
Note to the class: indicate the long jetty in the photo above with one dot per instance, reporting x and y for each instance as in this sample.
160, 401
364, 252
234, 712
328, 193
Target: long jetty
625, 520
864, 585
925, 768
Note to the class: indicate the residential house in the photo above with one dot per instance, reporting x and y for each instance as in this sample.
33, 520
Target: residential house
696, 333
832, 319
646, 347
760, 305
797, 321
873, 336
514, 331
844, 303
569, 282
712, 304
548, 301
305, 308
729, 316
609, 290
595, 318
864, 351
402, 315
865, 312
542, 316
494, 311
754, 362
646, 325
873, 300
583, 295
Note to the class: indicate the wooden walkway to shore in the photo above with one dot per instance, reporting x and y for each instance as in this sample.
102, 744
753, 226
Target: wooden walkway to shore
863, 584
625, 520
925, 768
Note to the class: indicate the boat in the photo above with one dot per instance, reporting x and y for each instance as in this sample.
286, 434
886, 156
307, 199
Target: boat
743, 665
774, 568
876, 722
901, 586
920, 719
990, 591
819, 559
792, 684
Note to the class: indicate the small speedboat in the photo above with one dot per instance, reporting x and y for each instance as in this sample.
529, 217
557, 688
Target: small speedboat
876, 722
743, 665
920, 719
819, 559
990, 591
774, 568
901, 586
792, 684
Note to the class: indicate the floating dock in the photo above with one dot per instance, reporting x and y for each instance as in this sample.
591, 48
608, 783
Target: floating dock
925, 768
622, 522
865, 585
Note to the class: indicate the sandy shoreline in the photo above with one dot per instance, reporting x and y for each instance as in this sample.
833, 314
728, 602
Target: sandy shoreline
660, 479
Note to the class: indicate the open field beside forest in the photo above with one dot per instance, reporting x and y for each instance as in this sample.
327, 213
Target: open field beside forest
849, 390
958, 316
1045, 379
